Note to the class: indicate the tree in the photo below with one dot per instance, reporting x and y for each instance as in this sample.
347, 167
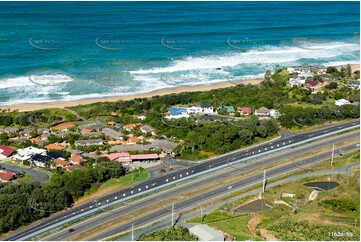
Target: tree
348, 70
332, 85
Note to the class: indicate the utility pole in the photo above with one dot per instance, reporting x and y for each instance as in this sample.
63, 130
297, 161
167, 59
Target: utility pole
132, 232
172, 214
264, 181
333, 152
201, 215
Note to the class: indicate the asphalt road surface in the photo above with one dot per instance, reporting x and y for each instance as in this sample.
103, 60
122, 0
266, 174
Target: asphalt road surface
160, 198
247, 182
169, 179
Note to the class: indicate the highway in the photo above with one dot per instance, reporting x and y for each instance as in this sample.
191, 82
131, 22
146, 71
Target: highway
161, 198
219, 192
152, 185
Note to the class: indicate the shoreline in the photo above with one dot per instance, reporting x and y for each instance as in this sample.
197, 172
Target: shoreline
23, 107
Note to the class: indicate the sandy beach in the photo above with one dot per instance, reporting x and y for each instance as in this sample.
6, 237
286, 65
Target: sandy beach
205, 87
61, 104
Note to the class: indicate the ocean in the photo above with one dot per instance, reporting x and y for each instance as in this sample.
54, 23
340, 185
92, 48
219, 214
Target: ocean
53, 51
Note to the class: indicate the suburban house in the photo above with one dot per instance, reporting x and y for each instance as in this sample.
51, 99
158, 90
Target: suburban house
142, 116
112, 134
311, 84
7, 176
207, 108
305, 70
89, 142
262, 112
61, 163
25, 132
44, 130
92, 134
342, 102
132, 140
27, 153
274, 113
354, 85
5, 151
229, 109
54, 147
194, 109
296, 81
44, 137
35, 140
77, 159
63, 127
176, 113
74, 167
244, 110
147, 129
9, 130
92, 126
74, 152
111, 123
40, 160
86, 130
130, 127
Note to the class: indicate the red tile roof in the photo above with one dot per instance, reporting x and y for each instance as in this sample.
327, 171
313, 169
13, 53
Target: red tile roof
6, 175
86, 130
6, 150
54, 147
247, 110
114, 156
77, 159
62, 162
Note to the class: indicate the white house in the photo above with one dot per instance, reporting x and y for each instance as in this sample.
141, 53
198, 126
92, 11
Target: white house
194, 110
274, 113
25, 154
207, 108
296, 81
342, 102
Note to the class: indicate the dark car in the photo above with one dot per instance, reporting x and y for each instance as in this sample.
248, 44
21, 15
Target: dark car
71, 230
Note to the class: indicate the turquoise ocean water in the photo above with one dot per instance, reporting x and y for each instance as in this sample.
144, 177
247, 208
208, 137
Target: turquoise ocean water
77, 50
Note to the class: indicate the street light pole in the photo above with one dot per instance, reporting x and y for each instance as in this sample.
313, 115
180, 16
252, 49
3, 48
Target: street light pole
172, 214
333, 152
264, 181
132, 232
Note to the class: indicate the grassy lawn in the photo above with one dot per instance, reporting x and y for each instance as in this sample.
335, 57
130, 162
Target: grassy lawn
26, 178
312, 212
127, 180
236, 227
118, 183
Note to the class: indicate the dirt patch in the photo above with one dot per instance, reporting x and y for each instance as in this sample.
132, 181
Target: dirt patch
255, 206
